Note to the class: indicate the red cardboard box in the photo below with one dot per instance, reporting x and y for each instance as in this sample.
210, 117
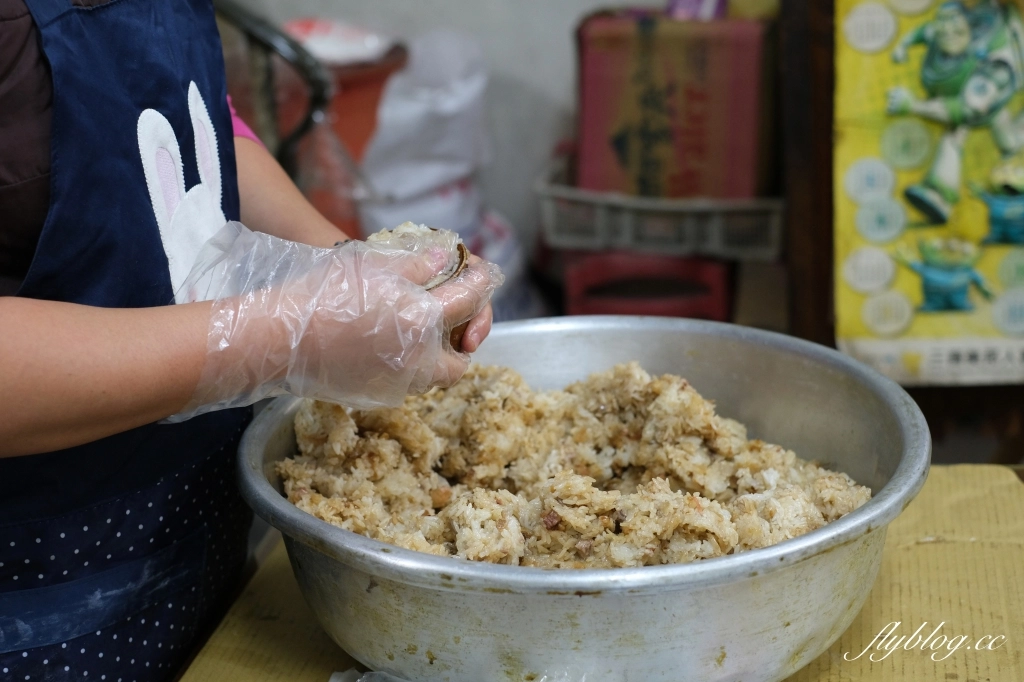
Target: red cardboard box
671, 108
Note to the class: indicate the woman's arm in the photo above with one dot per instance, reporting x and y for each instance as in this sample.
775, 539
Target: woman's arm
353, 325
71, 374
271, 203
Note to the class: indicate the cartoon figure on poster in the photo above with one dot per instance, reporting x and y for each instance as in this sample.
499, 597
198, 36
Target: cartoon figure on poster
929, 217
1005, 203
947, 273
973, 66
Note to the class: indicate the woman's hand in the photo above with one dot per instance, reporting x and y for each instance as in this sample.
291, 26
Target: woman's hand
351, 325
480, 326
478, 329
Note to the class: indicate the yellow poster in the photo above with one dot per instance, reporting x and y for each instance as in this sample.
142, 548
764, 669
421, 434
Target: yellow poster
929, 189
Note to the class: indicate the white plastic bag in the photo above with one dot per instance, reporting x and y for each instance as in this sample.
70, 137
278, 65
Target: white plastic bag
457, 206
430, 139
431, 126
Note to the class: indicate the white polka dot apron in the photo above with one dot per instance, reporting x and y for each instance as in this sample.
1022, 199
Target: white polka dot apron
114, 555
119, 590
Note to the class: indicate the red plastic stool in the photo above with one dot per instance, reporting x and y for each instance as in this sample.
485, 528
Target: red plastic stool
617, 283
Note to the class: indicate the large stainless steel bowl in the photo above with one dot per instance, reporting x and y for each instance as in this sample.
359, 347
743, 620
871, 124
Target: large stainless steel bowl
760, 615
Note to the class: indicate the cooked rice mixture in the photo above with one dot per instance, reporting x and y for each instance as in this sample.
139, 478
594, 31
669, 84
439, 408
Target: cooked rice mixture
623, 469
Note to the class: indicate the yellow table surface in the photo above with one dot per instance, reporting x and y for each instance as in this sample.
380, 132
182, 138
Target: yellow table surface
955, 556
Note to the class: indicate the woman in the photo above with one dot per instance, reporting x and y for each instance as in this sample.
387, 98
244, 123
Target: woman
121, 533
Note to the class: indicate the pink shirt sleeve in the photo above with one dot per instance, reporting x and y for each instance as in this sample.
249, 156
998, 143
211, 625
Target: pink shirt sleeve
240, 128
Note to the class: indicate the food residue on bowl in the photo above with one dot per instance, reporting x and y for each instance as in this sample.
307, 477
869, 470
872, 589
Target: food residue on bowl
620, 470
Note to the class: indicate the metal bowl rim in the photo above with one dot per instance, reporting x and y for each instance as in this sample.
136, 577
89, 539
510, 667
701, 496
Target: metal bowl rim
407, 566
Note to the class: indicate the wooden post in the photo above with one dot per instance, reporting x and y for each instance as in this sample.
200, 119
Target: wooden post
807, 81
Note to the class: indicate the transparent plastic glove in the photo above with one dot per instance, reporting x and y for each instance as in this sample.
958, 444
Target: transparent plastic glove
351, 325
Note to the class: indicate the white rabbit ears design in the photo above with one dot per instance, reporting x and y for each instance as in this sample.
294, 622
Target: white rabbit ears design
161, 156
186, 219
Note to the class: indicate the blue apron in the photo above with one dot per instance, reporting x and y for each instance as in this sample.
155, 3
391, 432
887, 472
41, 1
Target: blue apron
114, 554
